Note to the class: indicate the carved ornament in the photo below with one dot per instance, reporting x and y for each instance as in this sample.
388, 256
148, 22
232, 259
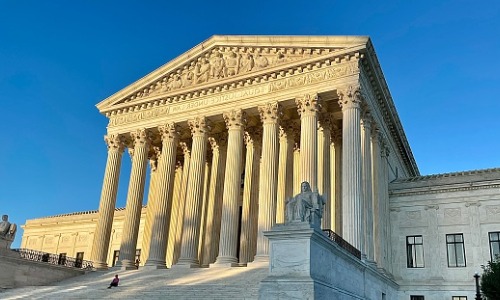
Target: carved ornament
270, 112
235, 119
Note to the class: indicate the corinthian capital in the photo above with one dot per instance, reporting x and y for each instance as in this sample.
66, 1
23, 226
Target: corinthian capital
350, 97
235, 119
270, 112
141, 137
253, 135
169, 131
309, 104
115, 142
199, 125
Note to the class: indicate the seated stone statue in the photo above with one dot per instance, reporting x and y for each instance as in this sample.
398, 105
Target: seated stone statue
7, 230
305, 207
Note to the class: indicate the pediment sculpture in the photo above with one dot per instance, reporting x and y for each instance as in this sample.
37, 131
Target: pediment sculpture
307, 206
7, 232
224, 62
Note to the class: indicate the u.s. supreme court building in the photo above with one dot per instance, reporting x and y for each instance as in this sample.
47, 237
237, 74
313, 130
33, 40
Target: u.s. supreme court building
229, 130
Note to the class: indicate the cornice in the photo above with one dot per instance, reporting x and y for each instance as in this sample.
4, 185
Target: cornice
446, 182
388, 110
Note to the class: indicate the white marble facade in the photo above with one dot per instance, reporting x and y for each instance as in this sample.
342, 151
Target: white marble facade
229, 129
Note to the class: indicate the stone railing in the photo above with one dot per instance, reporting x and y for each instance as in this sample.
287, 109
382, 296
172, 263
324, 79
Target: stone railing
342, 243
54, 259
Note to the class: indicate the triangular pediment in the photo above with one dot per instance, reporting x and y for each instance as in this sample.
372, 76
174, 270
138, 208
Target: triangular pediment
224, 60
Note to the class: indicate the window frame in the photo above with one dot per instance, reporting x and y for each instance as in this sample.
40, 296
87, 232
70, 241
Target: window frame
491, 242
455, 243
412, 253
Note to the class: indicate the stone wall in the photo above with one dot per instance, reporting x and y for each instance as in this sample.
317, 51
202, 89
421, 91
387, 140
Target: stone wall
17, 272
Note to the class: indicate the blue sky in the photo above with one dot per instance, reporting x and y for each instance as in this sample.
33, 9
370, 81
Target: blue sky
60, 58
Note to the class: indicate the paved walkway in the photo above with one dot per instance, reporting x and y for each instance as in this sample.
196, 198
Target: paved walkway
176, 283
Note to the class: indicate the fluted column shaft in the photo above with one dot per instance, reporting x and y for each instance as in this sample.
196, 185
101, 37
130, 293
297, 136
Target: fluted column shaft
296, 169
247, 218
150, 211
182, 201
134, 198
174, 216
284, 172
351, 168
191, 228
308, 107
325, 121
214, 190
269, 115
161, 217
377, 209
100, 246
228, 245
336, 179
366, 150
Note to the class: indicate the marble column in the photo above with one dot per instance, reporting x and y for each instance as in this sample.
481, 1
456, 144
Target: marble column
324, 125
192, 216
296, 168
384, 190
173, 217
349, 100
141, 139
204, 207
100, 246
376, 185
218, 144
336, 179
228, 245
182, 200
250, 197
308, 107
151, 204
270, 115
285, 170
366, 150
163, 203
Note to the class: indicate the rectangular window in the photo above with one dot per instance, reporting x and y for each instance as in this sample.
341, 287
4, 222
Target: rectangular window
494, 245
416, 297
456, 250
62, 259
459, 298
414, 251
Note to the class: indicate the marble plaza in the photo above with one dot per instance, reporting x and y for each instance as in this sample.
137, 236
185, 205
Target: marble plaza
230, 129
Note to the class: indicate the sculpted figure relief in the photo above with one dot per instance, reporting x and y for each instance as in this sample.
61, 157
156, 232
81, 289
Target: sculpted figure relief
305, 207
223, 62
7, 230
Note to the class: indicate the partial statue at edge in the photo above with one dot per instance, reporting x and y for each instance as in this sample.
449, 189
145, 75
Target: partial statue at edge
305, 207
7, 232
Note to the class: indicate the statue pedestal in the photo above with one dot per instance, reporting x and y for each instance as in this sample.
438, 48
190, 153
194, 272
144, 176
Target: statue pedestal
305, 264
5, 244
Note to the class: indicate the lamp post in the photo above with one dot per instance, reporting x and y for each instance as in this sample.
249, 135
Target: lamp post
478, 292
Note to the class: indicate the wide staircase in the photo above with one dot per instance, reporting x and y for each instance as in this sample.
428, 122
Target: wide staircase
176, 283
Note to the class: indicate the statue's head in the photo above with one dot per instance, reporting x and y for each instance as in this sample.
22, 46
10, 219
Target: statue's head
5, 217
305, 187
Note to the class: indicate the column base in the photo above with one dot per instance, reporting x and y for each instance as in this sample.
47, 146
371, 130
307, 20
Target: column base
187, 263
127, 265
154, 265
225, 262
100, 266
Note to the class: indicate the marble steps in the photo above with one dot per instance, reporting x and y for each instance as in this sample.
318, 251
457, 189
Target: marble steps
177, 283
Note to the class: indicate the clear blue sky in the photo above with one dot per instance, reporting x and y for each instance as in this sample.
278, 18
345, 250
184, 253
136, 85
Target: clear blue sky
60, 58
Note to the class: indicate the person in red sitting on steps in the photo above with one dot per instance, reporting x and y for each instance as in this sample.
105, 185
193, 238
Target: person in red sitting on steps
114, 282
